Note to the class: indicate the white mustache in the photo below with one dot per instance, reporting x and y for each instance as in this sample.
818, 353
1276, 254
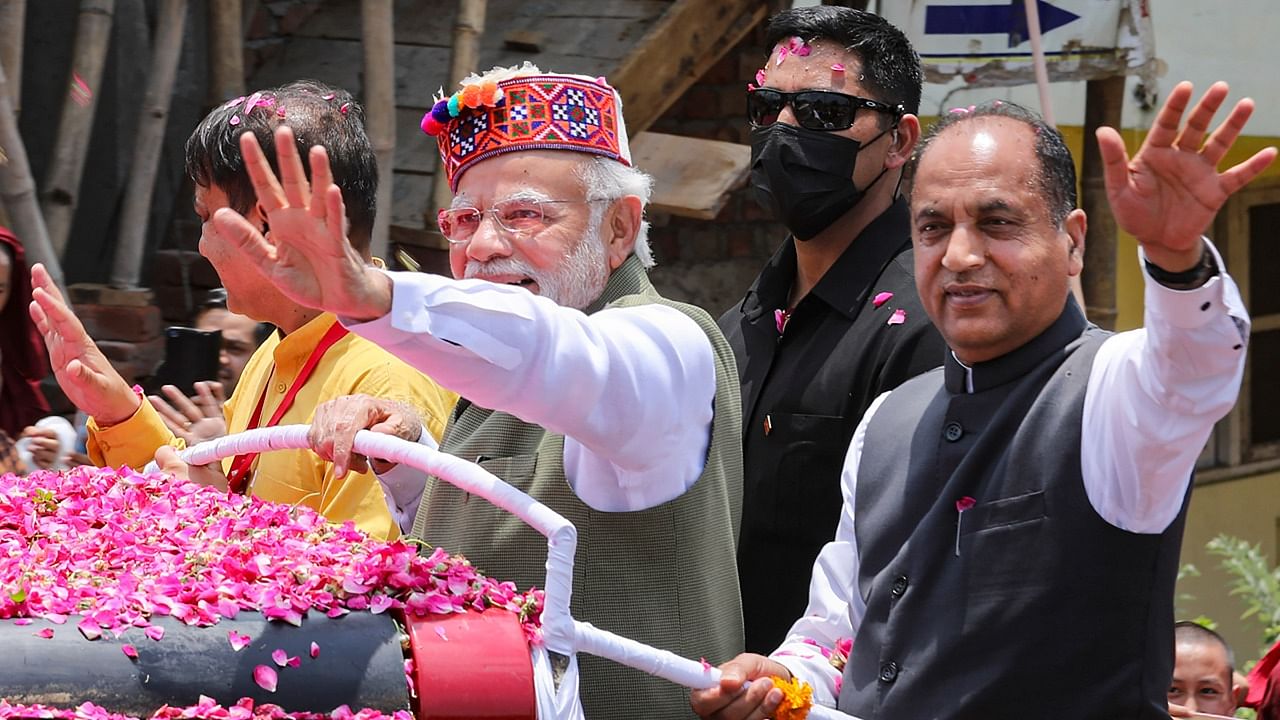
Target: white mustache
500, 266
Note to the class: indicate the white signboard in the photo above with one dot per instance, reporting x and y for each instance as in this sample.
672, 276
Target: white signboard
987, 41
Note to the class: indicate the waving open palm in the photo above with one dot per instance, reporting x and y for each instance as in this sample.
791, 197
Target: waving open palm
306, 253
1169, 192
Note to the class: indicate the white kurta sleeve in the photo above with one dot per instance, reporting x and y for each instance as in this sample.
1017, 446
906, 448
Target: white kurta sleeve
836, 608
631, 389
1153, 397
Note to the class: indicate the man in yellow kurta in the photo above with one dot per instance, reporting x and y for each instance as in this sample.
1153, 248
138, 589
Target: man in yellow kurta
124, 429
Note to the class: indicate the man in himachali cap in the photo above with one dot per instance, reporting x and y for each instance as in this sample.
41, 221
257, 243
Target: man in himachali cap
580, 385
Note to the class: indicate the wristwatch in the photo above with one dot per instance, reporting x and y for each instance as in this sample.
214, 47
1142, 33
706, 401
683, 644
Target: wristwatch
1187, 279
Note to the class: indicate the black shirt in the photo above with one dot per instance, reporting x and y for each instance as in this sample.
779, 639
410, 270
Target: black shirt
803, 393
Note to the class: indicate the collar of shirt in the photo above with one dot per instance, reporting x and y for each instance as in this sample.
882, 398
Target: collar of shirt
292, 351
847, 283
962, 379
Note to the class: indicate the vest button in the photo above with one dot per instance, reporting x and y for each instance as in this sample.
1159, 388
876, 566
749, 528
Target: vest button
953, 432
888, 672
899, 586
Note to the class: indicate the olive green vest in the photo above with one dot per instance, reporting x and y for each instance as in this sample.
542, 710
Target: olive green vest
665, 576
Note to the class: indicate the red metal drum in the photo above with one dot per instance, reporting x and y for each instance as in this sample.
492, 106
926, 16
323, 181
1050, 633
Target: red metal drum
472, 665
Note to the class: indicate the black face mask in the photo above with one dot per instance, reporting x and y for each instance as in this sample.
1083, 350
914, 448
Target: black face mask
806, 176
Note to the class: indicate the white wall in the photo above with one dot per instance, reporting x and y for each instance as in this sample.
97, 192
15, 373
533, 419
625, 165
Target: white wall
1200, 40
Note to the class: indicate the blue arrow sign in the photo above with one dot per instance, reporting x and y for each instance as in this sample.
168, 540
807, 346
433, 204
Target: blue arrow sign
1008, 18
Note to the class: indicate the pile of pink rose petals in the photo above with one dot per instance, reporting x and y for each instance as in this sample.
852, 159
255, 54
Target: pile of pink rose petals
105, 550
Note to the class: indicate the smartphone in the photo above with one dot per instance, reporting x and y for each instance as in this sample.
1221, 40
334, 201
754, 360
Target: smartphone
190, 356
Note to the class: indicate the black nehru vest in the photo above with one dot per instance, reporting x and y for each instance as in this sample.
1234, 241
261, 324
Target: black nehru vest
1048, 610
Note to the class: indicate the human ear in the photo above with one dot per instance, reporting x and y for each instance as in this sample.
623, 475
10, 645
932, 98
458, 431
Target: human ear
1075, 225
620, 228
905, 136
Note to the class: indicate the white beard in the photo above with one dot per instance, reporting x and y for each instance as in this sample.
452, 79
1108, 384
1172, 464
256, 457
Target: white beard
576, 282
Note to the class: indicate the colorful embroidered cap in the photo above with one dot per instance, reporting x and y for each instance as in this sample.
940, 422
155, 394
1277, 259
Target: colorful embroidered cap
538, 111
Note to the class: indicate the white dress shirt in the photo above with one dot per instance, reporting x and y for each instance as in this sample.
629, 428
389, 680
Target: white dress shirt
1151, 402
631, 389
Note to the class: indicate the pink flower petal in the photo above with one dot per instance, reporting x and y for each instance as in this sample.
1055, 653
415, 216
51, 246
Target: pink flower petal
235, 120
882, 298
315, 650
443, 636
266, 678
837, 67
22, 621
130, 651
45, 633
705, 665
238, 641
294, 661
899, 316
760, 76
280, 657
155, 632
89, 629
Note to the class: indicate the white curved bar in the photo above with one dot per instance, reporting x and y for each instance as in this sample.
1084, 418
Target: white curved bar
561, 633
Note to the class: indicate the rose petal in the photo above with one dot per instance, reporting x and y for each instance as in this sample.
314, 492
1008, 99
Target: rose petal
899, 316
155, 632
129, 651
46, 633
280, 657
266, 678
837, 67
238, 641
315, 650
882, 298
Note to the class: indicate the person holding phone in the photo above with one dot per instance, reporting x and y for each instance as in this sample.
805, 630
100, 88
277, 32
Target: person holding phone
198, 417
311, 359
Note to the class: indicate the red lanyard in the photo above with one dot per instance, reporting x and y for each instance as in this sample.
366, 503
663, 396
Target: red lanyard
238, 478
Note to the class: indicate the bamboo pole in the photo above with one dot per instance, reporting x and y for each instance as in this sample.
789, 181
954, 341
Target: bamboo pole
380, 107
467, 29
226, 51
18, 190
13, 20
148, 144
66, 168
1103, 105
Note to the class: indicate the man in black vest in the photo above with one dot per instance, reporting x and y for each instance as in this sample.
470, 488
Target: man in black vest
833, 320
1037, 483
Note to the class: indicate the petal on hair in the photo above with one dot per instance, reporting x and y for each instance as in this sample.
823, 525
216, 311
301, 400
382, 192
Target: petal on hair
235, 120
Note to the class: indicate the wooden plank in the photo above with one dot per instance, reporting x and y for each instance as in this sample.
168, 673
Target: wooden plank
410, 198
692, 177
415, 150
677, 50
608, 39
420, 70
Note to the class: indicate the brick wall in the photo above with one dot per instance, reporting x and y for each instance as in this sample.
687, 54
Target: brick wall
712, 263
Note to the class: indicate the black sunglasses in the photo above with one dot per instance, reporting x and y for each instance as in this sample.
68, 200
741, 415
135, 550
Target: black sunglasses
814, 109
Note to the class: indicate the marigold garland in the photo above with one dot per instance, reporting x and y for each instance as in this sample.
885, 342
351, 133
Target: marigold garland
797, 698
